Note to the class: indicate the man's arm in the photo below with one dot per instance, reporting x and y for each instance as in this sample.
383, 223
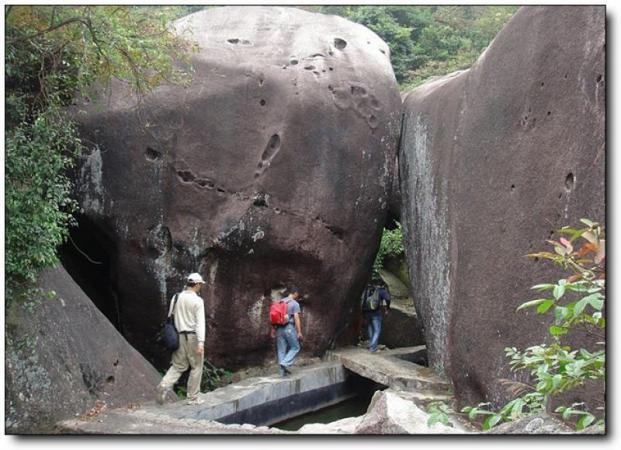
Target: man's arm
298, 325
386, 297
200, 327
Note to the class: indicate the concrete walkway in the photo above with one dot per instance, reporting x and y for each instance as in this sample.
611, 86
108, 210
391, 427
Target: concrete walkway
248, 401
267, 400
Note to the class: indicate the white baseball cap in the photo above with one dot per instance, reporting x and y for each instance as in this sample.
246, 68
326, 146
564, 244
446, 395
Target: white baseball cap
195, 278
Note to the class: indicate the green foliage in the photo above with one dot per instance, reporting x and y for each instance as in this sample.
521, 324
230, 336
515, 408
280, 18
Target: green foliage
527, 405
456, 38
213, 377
577, 300
83, 44
584, 417
181, 391
391, 245
428, 41
53, 53
438, 413
38, 208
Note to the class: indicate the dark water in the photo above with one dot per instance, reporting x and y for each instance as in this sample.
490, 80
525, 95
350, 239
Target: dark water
355, 406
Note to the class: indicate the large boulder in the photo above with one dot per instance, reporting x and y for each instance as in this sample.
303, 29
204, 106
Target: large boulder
493, 159
389, 413
63, 358
401, 326
273, 167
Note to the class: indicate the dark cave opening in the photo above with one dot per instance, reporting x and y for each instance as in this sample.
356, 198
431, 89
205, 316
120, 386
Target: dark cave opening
391, 221
88, 257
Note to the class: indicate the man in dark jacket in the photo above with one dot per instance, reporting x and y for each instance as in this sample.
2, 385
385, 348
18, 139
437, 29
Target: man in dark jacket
374, 294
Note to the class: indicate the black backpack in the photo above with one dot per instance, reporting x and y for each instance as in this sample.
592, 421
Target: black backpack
371, 299
170, 335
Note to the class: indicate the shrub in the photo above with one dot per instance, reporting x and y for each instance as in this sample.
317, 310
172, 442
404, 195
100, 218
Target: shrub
391, 245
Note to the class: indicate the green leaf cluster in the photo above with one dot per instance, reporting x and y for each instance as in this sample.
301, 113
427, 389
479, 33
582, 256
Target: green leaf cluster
576, 410
526, 405
38, 206
391, 245
439, 412
213, 377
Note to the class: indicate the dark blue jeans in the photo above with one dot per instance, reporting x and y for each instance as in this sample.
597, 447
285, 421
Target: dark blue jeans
374, 327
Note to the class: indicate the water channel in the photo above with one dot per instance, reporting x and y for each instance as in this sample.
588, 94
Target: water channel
357, 404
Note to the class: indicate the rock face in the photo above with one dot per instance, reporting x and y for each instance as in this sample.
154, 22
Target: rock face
401, 326
272, 167
63, 356
491, 161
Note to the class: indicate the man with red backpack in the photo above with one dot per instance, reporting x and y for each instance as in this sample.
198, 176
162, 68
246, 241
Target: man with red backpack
287, 329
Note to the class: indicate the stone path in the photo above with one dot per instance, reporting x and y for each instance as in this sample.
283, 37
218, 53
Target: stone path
406, 381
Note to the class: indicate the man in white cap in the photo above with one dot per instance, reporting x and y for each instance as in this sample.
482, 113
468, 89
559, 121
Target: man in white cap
189, 312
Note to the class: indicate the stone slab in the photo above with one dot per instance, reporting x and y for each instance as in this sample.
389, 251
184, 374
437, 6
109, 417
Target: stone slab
385, 367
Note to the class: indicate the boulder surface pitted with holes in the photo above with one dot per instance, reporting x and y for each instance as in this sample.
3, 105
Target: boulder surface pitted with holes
274, 166
492, 160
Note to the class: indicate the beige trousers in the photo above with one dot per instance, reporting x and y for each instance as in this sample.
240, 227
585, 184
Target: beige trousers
182, 358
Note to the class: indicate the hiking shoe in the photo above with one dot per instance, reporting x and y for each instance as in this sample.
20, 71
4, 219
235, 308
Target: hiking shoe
195, 401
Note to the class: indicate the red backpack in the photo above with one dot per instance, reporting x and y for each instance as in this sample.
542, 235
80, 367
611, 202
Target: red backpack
278, 313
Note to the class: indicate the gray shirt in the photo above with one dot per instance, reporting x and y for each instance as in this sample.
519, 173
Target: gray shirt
293, 307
